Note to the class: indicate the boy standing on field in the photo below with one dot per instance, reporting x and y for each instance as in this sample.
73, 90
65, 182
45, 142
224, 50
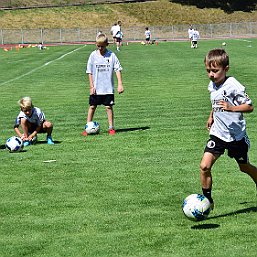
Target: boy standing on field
147, 36
195, 37
102, 63
226, 124
32, 121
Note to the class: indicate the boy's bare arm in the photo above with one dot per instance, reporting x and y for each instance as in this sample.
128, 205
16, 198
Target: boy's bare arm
120, 86
239, 108
91, 84
209, 121
16, 129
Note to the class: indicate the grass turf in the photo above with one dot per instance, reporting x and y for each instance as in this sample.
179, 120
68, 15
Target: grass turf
121, 195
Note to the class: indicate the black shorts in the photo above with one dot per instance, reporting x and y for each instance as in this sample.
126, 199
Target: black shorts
236, 149
107, 100
32, 127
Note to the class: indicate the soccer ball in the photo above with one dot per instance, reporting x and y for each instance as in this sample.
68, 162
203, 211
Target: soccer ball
92, 127
224, 44
14, 144
196, 207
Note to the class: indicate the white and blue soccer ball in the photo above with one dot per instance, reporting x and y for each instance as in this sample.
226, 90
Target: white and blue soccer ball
14, 144
196, 207
92, 127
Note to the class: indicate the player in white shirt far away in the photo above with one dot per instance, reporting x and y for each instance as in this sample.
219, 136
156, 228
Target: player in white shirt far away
195, 36
147, 36
190, 31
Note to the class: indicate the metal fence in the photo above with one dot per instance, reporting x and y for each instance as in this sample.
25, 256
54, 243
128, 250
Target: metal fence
169, 33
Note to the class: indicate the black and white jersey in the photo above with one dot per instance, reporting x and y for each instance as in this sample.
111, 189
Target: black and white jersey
102, 68
228, 126
37, 117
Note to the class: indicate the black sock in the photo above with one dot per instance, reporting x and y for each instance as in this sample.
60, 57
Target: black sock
207, 194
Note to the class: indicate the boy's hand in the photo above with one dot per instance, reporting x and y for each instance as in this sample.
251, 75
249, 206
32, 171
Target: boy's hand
225, 106
120, 89
30, 137
23, 138
209, 123
92, 91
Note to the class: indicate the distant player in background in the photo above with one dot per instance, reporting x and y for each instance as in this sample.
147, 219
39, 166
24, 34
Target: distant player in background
226, 124
190, 31
101, 65
32, 121
195, 37
114, 29
117, 35
41, 46
148, 36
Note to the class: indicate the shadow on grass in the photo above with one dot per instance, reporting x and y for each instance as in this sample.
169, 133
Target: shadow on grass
2, 147
212, 226
245, 210
44, 142
132, 129
205, 226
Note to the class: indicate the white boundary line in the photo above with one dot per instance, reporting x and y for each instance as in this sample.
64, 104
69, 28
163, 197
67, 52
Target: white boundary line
244, 40
40, 67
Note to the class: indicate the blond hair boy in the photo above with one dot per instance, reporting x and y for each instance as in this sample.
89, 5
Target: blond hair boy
32, 121
101, 66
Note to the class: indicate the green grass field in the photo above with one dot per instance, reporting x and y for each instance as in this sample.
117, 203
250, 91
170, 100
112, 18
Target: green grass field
121, 195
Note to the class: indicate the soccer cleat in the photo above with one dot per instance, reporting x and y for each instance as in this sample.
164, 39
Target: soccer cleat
50, 140
27, 143
112, 132
84, 133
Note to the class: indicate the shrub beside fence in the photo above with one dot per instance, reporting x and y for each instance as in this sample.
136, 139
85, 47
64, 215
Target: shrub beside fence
161, 33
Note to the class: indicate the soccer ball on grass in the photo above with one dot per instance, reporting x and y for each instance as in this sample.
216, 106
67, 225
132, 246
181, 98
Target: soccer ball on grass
196, 207
14, 144
92, 127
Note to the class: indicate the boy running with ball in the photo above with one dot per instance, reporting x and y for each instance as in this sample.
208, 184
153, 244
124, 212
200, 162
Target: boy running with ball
226, 124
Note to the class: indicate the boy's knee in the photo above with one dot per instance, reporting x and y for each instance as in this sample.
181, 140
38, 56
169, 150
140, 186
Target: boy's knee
48, 124
92, 107
204, 167
108, 107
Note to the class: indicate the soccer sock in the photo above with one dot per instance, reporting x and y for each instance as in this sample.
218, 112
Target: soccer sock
207, 194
